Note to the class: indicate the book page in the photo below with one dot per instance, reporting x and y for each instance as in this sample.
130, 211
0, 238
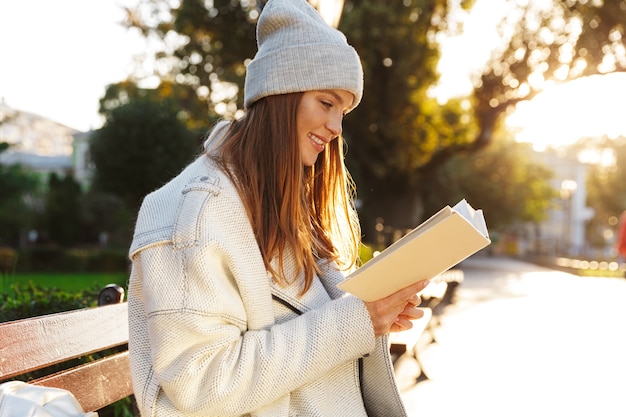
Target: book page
475, 217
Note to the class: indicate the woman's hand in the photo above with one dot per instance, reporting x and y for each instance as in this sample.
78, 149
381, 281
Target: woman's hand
395, 312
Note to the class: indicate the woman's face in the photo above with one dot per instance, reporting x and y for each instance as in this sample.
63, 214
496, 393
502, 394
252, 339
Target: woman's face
318, 120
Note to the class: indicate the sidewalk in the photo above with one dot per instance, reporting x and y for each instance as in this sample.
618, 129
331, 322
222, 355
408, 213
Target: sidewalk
523, 340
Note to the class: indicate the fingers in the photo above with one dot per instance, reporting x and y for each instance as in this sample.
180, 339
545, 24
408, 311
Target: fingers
406, 296
401, 297
410, 291
411, 312
405, 320
395, 312
415, 300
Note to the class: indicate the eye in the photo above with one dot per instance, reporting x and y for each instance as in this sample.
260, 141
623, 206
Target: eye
326, 104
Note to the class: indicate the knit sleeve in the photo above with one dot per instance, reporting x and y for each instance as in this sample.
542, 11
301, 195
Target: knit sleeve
206, 358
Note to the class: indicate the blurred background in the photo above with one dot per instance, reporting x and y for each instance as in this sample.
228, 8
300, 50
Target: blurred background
514, 105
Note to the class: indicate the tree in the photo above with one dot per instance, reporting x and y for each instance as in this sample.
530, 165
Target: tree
205, 47
398, 127
546, 43
190, 110
606, 188
398, 137
554, 43
63, 210
501, 179
105, 219
17, 188
397, 44
141, 145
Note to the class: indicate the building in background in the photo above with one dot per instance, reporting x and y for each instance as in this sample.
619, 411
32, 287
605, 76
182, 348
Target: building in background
81, 158
563, 233
37, 143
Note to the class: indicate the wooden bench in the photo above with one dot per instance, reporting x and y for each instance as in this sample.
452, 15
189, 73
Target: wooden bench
441, 292
435, 297
408, 342
33, 349
42, 345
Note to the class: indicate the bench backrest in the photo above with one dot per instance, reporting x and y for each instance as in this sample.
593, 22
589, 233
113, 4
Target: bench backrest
36, 343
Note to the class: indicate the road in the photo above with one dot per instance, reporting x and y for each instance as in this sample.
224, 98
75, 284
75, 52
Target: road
524, 340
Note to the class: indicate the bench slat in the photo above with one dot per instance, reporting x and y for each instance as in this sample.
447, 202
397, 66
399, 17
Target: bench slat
95, 384
31, 344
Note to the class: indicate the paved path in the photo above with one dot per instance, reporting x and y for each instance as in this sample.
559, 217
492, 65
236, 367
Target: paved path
522, 340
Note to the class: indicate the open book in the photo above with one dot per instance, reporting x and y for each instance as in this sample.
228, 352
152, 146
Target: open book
436, 245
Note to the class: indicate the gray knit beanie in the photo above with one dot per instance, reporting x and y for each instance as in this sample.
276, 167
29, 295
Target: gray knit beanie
298, 51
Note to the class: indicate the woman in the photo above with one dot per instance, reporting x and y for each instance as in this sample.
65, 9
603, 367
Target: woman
233, 304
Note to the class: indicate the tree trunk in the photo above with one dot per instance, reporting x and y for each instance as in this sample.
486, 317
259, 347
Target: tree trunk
388, 211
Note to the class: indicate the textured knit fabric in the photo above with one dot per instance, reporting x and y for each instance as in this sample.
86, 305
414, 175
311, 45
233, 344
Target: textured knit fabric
298, 51
207, 335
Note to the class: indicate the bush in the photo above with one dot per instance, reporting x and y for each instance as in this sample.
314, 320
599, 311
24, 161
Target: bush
57, 259
28, 300
108, 260
365, 253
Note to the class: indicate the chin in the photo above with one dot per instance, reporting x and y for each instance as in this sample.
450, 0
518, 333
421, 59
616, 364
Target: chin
310, 161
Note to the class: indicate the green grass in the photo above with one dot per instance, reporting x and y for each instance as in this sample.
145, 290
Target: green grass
71, 282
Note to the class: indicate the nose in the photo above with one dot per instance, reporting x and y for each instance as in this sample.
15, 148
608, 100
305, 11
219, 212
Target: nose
334, 125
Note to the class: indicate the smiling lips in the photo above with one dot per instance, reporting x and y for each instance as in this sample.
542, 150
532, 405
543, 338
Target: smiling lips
317, 141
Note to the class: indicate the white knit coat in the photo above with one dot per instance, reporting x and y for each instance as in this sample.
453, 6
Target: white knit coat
212, 335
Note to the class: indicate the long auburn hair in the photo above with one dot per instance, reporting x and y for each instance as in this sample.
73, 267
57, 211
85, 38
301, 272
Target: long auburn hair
291, 206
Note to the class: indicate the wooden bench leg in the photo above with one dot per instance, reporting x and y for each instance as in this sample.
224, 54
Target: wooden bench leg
408, 343
423, 376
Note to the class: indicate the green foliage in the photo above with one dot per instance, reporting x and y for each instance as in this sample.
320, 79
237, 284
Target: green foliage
603, 34
72, 281
501, 179
399, 63
190, 108
62, 214
399, 133
105, 214
399, 136
141, 145
121, 408
217, 37
63, 209
29, 300
18, 187
405, 131
548, 41
606, 188
212, 52
365, 253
